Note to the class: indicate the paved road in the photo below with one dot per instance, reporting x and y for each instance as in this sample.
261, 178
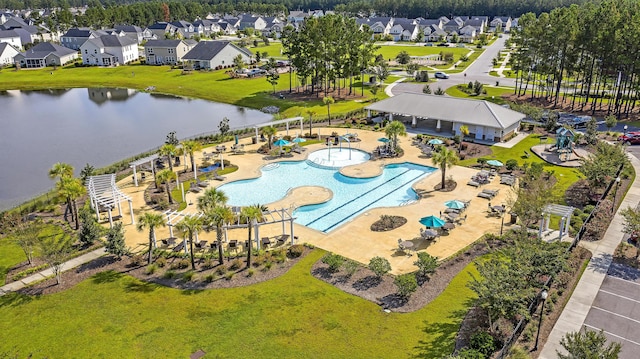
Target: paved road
616, 309
477, 71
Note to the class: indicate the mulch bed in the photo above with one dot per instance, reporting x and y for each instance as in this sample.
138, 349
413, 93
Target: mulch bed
109, 267
383, 292
388, 223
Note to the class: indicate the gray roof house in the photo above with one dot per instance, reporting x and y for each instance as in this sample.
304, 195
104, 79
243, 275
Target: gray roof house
161, 29
214, 55
487, 122
132, 31
166, 52
10, 37
76, 36
109, 50
45, 54
7, 54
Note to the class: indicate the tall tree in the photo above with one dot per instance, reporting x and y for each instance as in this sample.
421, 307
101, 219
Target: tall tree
328, 101
190, 147
166, 176
71, 189
252, 214
169, 150
394, 129
464, 132
217, 217
211, 198
150, 220
445, 158
91, 230
60, 170
269, 132
189, 226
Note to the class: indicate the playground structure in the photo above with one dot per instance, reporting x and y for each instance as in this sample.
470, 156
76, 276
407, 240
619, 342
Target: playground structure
564, 143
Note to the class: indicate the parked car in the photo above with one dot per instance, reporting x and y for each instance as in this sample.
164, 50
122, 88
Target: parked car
443, 44
428, 44
630, 138
441, 75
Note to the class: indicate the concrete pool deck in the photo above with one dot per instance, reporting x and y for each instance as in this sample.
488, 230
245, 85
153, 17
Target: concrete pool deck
353, 239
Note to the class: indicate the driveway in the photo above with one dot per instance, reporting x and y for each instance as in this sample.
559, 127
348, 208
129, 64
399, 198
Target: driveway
616, 309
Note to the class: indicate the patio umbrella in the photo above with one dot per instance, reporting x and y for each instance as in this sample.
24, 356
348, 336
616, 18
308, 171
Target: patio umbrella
432, 222
299, 140
455, 204
383, 139
281, 142
435, 141
494, 163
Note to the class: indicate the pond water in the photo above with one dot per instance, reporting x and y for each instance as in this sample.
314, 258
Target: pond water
98, 126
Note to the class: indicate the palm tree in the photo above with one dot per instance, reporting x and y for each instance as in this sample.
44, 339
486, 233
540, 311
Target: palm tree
445, 158
328, 101
211, 198
169, 151
61, 170
190, 147
269, 131
166, 176
464, 131
189, 226
310, 113
393, 130
71, 189
150, 220
217, 217
252, 214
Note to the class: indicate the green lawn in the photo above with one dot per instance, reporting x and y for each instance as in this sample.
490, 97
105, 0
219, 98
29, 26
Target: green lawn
214, 86
10, 255
565, 175
494, 94
292, 316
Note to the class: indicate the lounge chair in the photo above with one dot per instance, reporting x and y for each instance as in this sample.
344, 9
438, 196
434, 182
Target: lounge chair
485, 195
282, 239
202, 183
194, 188
233, 244
217, 177
201, 245
296, 150
473, 183
179, 247
266, 242
493, 192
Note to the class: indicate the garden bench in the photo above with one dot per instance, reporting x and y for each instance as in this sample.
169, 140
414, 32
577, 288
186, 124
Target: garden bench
526, 154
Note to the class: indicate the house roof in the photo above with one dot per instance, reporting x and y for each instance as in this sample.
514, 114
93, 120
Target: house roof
181, 24
207, 50
44, 49
112, 41
5, 34
78, 32
128, 28
163, 43
160, 26
453, 109
4, 46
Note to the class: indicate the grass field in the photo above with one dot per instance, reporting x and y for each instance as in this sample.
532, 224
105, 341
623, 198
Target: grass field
292, 316
214, 86
10, 255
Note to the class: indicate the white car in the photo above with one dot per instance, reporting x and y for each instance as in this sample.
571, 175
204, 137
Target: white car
441, 75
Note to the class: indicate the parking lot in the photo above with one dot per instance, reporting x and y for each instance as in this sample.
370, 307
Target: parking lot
616, 309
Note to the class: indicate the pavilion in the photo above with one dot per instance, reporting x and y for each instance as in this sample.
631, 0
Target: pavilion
104, 193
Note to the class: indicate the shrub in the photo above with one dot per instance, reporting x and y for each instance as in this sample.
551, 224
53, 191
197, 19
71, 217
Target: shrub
188, 276
152, 268
236, 264
589, 208
170, 274
251, 272
229, 275
259, 260
267, 266
209, 278
380, 266
467, 353
426, 264
483, 342
350, 267
407, 284
221, 270
334, 261
511, 164
295, 251
161, 262
208, 263
180, 264
137, 260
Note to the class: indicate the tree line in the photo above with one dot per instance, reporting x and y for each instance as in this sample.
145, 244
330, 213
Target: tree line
328, 51
585, 56
146, 12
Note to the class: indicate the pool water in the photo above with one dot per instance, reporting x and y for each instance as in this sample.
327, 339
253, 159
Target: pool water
351, 196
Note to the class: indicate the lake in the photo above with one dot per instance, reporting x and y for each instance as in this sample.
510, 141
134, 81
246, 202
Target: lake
98, 126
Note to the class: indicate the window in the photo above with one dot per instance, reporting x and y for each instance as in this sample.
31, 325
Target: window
95, 51
171, 51
86, 51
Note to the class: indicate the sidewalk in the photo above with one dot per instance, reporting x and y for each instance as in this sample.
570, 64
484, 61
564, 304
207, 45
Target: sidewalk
70, 264
576, 310
388, 89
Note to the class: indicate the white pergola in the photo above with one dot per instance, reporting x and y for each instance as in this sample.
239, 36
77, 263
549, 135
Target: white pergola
274, 123
140, 162
104, 192
273, 216
564, 212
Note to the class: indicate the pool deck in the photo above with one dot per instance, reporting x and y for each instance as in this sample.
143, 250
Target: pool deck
354, 239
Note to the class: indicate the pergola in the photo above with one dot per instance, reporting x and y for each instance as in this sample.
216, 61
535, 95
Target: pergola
564, 212
140, 162
104, 192
273, 123
269, 217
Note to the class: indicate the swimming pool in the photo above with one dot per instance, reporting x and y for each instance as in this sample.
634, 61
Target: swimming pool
351, 196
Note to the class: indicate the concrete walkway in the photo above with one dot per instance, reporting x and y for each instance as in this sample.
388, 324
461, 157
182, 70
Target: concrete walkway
512, 142
70, 264
388, 89
576, 310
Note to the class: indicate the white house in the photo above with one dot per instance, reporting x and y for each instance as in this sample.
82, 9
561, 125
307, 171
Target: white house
215, 54
11, 37
109, 50
7, 53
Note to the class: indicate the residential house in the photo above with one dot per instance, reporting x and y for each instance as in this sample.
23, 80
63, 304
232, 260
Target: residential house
479, 23
453, 25
296, 17
28, 33
162, 30
7, 54
165, 52
109, 50
185, 29
404, 30
215, 54
76, 37
4, 16
149, 35
424, 23
500, 23
434, 33
10, 37
274, 27
208, 27
467, 34
254, 22
227, 29
45, 54
132, 31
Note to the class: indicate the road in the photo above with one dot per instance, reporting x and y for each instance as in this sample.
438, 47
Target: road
477, 71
